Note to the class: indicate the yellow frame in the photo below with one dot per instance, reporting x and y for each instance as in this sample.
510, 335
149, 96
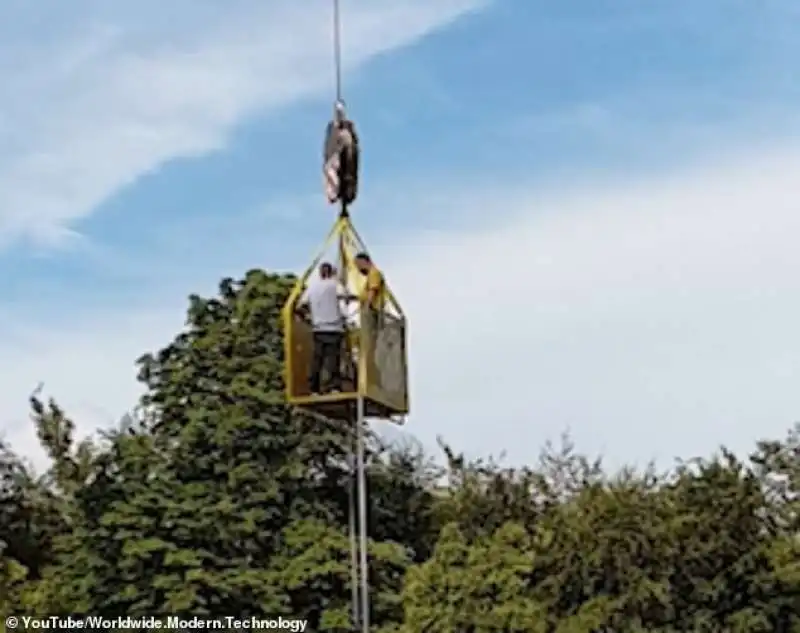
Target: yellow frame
377, 402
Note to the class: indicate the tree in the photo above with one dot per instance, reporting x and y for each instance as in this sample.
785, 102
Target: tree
475, 588
628, 553
223, 498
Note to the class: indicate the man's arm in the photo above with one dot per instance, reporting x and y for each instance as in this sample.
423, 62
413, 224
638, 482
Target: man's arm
302, 303
374, 285
344, 294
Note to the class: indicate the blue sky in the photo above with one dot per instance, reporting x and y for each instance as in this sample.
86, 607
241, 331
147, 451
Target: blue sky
623, 170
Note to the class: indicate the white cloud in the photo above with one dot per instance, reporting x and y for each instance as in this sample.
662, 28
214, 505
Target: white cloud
115, 93
88, 367
656, 318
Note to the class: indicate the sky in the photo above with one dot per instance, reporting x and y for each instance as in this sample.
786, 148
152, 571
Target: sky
589, 210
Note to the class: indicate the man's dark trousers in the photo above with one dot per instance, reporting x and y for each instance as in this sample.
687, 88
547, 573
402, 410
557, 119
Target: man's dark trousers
327, 355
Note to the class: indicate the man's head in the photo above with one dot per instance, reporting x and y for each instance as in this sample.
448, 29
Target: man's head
326, 270
363, 263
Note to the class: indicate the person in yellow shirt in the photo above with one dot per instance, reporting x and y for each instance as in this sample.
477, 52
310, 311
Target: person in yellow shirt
372, 300
373, 294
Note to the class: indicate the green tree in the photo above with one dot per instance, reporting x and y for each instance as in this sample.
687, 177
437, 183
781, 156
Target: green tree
222, 499
628, 553
475, 588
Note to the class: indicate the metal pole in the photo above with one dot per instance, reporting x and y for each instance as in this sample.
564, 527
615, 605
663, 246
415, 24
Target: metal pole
351, 484
352, 480
362, 511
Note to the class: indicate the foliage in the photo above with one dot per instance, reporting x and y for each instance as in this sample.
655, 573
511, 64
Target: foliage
214, 497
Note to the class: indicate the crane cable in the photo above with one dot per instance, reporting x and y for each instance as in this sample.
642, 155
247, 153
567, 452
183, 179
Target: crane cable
337, 68
337, 50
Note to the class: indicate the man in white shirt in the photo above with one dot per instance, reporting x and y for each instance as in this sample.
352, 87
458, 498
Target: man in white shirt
322, 299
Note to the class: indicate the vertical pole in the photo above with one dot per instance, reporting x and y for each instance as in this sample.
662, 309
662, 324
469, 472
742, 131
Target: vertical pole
362, 511
352, 482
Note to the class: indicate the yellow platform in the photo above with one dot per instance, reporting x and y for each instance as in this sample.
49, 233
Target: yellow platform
374, 361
